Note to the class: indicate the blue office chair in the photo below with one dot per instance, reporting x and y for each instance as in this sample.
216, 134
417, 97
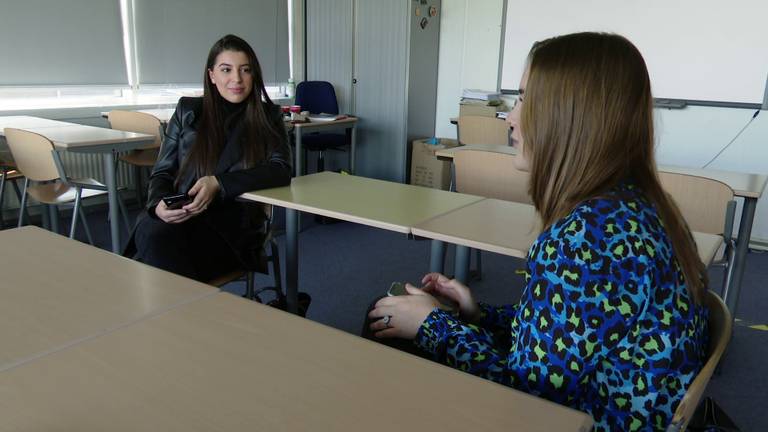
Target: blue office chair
319, 97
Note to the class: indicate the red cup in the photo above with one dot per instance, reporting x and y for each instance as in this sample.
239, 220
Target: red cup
286, 109
296, 109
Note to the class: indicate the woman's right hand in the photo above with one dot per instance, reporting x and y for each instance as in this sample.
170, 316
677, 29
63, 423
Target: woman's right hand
436, 283
171, 216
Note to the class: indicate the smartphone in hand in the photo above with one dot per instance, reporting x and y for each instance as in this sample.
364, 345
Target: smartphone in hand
397, 289
174, 202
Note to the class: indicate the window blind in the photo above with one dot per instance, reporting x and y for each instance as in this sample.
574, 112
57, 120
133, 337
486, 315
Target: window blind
54, 42
173, 36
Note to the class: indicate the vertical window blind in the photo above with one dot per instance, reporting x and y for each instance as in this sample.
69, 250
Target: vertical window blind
55, 42
173, 36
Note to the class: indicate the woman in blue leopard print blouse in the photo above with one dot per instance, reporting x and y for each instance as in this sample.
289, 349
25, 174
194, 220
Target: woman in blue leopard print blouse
610, 320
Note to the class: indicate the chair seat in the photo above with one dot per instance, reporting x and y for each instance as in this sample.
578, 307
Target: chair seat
709, 246
59, 193
143, 158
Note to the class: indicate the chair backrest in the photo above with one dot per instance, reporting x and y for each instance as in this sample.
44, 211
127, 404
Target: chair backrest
491, 175
719, 329
33, 154
139, 122
317, 97
483, 130
703, 202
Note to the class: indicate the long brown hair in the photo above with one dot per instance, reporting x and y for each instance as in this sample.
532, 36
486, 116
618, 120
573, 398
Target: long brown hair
587, 125
258, 136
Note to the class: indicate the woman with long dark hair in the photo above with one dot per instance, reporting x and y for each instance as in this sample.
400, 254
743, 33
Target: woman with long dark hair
610, 321
230, 141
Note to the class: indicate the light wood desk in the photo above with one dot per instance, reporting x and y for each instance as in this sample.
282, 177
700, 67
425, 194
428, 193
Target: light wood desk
22, 122
299, 129
87, 139
348, 125
507, 228
748, 186
227, 364
56, 292
380, 204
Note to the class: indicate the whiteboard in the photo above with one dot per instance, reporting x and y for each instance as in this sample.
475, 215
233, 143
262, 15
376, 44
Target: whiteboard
704, 50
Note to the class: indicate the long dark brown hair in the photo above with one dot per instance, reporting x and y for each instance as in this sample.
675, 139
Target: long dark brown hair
587, 125
258, 136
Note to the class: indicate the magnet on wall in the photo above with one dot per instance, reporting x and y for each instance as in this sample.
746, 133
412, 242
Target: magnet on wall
432, 11
423, 23
418, 11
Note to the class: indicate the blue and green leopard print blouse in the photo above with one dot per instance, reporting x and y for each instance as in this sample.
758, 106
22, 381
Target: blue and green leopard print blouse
605, 324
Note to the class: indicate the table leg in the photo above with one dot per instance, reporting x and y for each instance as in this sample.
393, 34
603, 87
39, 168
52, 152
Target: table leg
461, 272
352, 148
299, 154
292, 259
53, 216
114, 217
437, 256
732, 290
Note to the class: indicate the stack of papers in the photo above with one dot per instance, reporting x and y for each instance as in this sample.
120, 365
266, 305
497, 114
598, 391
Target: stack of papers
480, 94
324, 117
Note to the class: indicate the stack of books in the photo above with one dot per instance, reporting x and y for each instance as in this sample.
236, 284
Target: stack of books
483, 95
480, 103
323, 117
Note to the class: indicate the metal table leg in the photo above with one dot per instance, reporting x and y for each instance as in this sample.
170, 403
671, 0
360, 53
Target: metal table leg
352, 147
299, 155
437, 255
292, 259
732, 290
461, 272
114, 217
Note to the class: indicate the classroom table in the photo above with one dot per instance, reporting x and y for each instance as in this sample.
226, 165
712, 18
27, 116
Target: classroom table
506, 228
747, 186
750, 187
57, 292
78, 138
348, 124
228, 364
93, 341
387, 205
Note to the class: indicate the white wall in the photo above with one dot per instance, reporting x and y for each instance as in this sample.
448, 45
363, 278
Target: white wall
470, 40
469, 56
693, 135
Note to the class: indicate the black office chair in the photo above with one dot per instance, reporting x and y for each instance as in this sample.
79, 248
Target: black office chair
319, 97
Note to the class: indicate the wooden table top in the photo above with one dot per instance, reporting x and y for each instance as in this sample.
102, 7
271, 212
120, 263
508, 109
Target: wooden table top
227, 364
503, 227
745, 185
58, 291
22, 122
381, 204
76, 137
510, 228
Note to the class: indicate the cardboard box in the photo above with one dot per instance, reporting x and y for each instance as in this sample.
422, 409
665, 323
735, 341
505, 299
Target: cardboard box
426, 169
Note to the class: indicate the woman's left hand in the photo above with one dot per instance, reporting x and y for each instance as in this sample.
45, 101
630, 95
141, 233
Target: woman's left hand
406, 313
203, 192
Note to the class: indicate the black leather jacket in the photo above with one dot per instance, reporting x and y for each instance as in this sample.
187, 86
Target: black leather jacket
239, 223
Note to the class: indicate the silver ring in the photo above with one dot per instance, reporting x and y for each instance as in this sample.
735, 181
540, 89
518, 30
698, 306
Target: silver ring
386, 320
